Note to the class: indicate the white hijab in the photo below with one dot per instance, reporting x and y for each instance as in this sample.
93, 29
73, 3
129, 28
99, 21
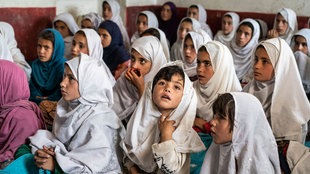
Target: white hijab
68, 19
225, 39
177, 49
242, 55
305, 33
4, 50
125, 93
202, 18
253, 148
94, 18
263, 29
116, 17
95, 49
283, 98
223, 80
290, 16
143, 132
7, 31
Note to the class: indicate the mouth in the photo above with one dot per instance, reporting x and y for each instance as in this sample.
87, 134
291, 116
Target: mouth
166, 97
137, 72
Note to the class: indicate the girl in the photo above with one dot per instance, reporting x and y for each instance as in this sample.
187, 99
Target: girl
168, 21
242, 139
147, 56
285, 25
187, 24
115, 55
161, 126
229, 25
91, 20
287, 112
216, 75
19, 118
111, 11
7, 31
66, 25
241, 46
199, 13
145, 20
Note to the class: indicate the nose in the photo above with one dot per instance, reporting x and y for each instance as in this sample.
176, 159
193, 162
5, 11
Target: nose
212, 123
299, 47
167, 88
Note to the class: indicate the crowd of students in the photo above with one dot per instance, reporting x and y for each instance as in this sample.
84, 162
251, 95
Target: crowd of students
170, 99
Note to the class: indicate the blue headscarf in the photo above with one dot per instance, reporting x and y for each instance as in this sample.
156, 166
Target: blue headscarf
46, 76
115, 53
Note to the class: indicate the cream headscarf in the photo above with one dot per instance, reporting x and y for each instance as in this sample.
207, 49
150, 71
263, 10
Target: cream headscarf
253, 148
94, 18
125, 93
143, 132
283, 98
225, 39
4, 50
223, 80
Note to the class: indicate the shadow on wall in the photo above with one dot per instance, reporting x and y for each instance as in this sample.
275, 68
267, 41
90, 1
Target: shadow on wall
27, 24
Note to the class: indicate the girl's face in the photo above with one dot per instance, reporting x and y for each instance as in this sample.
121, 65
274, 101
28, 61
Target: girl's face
45, 50
86, 23
106, 11
227, 25
193, 13
185, 27
301, 44
167, 95
139, 63
142, 24
62, 28
166, 13
105, 37
281, 25
69, 86
244, 35
79, 45
189, 51
204, 67
263, 69
220, 130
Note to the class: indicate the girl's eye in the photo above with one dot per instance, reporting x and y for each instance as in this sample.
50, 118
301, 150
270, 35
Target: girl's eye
177, 87
161, 82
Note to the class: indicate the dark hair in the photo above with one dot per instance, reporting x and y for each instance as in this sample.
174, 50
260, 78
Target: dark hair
224, 106
142, 14
151, 31
193, 6
187, 19
187, 36
166, 73
47, 35
202, 48
249, 24
81, 32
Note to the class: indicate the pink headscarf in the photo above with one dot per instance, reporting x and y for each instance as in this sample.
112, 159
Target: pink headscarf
19, 118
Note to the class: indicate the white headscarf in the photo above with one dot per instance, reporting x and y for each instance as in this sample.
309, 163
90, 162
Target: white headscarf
242, 55
177, 49
68, 19
199, 38
95, 49
305, 33
285, 104
202, 18
116, 17
4, 50
298, 157
125, 93
290, 16
94, 18
303, 63
263, 29
223, 80
143, 132
7, 31
225, 39
253, 148
79, 124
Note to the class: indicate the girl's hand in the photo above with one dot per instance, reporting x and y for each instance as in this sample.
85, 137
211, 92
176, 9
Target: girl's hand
136, 79
199, 122
166, 128
44, 160
273, 33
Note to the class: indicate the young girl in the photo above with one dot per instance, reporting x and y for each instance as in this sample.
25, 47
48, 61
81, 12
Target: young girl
111, 11
91, 20
86, 132
159, 134
66, 25
199, 13
19, 118
115, 55
145, 20
7, 31
229, 25
241, 46
242, 139
147, 56
187, 24
216, 75
287, 112
285, 25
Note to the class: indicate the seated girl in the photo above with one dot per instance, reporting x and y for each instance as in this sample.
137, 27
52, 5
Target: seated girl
242, 139
160, 136
147, 56
91, 20
19, 118
229, 25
